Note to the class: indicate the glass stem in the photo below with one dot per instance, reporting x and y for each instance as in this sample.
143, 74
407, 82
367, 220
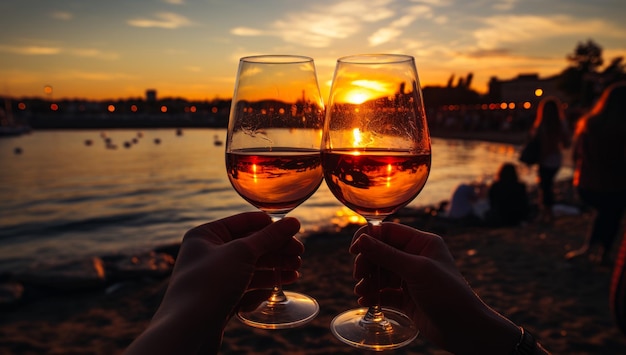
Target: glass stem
277, 295
375, 318
375, 315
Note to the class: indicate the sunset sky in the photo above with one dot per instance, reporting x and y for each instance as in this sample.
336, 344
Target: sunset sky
111, 49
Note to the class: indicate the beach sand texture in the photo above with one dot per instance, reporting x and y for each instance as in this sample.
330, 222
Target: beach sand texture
518, 271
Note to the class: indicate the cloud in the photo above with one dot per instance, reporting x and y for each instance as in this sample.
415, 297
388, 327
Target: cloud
30, 50
383, 35
167, 20
93, 53
506, 30
62, 15
434, 2
319, 26
97, 76
315, 30
249, 71
395, 28
174, 2
505, 5
368, 11
246, 31
47, 50
489, 53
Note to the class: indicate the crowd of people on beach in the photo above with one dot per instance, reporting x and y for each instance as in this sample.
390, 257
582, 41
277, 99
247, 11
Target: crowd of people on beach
599, 175
508, 203
199, 301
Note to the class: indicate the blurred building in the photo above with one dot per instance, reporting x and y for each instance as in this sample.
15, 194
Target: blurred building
151, 95
525, 88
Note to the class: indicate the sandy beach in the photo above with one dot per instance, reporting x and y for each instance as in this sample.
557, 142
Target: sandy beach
519, 271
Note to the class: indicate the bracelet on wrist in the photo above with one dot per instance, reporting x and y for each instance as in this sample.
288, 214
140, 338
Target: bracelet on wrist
527, 344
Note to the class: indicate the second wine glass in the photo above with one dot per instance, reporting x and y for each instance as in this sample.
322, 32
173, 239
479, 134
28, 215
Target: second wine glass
273, 158
376, 157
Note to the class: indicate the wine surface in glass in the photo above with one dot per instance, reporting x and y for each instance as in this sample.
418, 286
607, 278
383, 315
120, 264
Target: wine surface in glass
375, 182
275, 180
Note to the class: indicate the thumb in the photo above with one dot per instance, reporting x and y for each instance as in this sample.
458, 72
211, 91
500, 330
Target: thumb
382, 254
272, 237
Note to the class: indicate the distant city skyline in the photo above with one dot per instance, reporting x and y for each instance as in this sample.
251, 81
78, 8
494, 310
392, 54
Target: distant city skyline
190, 48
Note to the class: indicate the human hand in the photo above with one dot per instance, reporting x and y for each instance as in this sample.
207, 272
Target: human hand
418, 276
238, 254
217, 263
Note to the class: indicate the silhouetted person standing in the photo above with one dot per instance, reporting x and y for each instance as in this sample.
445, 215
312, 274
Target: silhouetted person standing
600, 168
551, 127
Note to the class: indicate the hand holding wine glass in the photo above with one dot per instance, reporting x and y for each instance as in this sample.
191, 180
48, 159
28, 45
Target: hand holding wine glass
273, 158
376, 158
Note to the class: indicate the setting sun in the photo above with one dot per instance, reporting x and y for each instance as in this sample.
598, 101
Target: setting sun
356, 97
364, 90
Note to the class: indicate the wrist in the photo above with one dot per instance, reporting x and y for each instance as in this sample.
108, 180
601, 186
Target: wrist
171, 333
491, 334
526, 344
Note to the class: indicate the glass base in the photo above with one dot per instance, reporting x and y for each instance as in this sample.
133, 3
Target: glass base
391, 331
295, 311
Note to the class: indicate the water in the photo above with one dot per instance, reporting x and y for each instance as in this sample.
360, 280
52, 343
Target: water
62, 199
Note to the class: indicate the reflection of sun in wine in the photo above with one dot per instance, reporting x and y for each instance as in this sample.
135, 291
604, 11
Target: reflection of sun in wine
356, 135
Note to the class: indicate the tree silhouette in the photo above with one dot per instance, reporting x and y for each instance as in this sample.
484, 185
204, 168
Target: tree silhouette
587, 57
576, 79
583, 80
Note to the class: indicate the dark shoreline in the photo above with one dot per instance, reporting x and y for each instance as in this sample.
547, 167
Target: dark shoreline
493, 136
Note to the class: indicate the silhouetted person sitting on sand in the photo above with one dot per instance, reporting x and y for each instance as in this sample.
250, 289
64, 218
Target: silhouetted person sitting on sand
462, 205
226, 264
508, 199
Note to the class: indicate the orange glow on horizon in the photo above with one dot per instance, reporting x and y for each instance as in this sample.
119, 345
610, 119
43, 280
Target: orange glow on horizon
361, 91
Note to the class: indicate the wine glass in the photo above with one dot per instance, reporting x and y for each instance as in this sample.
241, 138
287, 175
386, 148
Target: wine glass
273, 158
376, 158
